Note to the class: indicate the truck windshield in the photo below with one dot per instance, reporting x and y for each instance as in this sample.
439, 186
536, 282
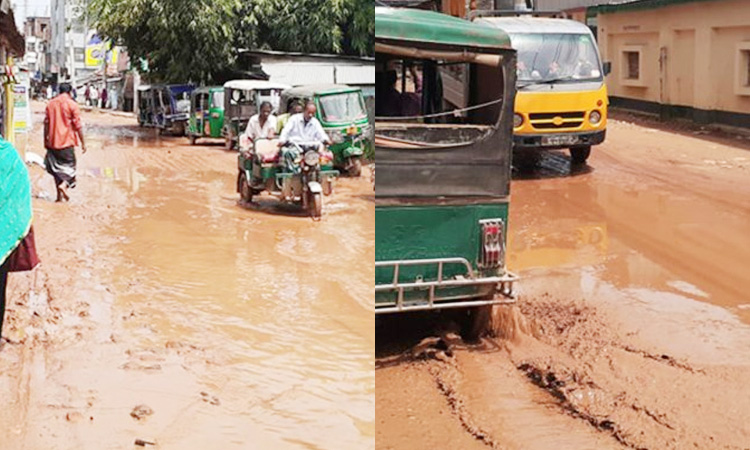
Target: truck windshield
342, 107
549, 58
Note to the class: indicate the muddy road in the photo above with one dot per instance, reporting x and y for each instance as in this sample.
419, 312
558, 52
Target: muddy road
229, 325
632, 328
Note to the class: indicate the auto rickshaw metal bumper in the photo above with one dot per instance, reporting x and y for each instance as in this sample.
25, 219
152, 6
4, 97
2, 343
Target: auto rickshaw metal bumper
502, 285
290, 189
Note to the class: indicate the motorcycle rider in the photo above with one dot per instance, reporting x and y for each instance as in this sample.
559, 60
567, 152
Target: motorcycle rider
304, 128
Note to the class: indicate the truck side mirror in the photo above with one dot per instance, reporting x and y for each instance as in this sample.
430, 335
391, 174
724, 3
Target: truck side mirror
607, 66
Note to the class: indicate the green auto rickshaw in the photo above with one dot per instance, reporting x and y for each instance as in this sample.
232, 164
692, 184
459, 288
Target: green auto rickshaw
343, 114
206, 113
443, 184
242, 99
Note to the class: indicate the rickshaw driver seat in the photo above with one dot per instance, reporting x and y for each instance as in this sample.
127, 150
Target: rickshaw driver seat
267, 150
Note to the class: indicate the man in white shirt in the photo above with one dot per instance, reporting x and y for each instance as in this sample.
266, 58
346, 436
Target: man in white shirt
302, 128
263, 124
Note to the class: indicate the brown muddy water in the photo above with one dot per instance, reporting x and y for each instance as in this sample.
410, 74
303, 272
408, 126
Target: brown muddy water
631, 327
238, 326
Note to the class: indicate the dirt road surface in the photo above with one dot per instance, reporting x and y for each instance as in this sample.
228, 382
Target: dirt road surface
632, 328
166, 311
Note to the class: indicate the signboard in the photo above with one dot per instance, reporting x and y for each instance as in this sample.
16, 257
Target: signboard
21, 107
97, 49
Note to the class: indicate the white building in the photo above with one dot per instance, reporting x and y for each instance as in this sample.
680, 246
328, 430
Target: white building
69, 34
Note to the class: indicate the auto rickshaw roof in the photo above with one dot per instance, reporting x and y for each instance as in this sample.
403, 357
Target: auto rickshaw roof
309, 90
247, 85
416, 25
207, 89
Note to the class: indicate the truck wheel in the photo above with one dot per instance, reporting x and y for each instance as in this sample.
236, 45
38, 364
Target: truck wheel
246, 193
355, 166
316, 206
477, 323
579, 155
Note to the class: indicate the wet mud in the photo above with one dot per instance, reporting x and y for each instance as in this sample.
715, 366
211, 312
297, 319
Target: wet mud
631, 325
166, 311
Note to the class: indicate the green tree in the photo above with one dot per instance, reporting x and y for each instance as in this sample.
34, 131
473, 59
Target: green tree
181, 40
197, 39
358, 26
308, 26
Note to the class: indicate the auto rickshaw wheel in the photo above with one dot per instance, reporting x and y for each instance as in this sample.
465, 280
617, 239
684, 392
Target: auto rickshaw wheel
316, 205
476, 323
579, 155
228, 143
246, 192
355, 166
193, 139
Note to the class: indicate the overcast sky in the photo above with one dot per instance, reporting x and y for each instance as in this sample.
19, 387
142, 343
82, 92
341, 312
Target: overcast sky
23, 8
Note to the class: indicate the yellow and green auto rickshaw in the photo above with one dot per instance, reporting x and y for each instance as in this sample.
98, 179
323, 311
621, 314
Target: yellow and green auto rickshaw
241, 101
343, 114
206, 113
443, 184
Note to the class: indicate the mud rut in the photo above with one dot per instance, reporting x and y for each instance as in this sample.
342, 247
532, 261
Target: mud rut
566, 351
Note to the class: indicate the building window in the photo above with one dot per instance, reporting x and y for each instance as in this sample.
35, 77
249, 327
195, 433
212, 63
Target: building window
633, 69
742, 73
631, 66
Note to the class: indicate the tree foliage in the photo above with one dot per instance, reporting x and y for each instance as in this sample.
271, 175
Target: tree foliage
197, 39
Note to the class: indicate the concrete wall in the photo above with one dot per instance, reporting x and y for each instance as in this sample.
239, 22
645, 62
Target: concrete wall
690, 54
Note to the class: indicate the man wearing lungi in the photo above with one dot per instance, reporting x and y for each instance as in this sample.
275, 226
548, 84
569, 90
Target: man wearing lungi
63, 130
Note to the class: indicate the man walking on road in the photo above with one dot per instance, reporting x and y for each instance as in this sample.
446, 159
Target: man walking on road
63, 130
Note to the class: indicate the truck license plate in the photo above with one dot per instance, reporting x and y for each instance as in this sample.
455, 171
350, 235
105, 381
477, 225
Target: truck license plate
559, 140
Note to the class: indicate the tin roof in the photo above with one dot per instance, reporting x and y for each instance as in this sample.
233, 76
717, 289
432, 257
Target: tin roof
254, 84
206, 89
415, 25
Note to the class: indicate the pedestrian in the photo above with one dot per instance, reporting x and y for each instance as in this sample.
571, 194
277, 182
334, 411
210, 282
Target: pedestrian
17, 248
49, 92
94, 96
63, 130
104, 97
87, 95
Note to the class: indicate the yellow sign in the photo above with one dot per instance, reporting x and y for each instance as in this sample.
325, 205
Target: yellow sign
97, 49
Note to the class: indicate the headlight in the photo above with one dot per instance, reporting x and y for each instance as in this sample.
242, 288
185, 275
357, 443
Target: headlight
517, 120
595, 117
312, 158
336, 136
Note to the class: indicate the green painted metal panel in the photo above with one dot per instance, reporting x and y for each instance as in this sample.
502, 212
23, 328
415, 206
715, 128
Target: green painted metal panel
416, 25
430, 231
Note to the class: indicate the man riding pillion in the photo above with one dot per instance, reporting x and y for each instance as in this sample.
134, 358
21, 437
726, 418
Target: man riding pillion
263, 124
302, 128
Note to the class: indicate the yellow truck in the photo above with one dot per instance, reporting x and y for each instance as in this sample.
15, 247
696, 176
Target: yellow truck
561, 99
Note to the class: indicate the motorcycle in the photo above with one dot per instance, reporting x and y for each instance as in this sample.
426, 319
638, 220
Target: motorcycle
301, 173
